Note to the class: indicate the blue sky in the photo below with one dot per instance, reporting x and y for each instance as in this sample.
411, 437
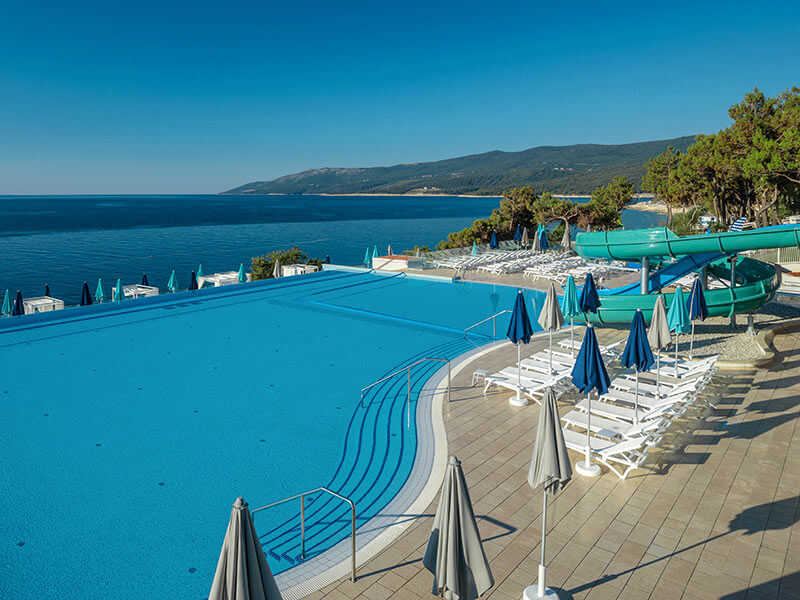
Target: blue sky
198, 97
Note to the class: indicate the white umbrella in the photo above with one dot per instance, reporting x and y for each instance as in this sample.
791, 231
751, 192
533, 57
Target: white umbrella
276, 271
550, 468
242, 570
551, 318
525, 240
659, 336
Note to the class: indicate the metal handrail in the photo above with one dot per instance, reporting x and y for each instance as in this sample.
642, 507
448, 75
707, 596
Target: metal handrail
494, 323
408, 369
302, 497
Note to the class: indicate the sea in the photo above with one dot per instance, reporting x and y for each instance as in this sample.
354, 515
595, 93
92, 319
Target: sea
62, 241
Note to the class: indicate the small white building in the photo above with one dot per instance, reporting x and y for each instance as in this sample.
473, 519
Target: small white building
289, 270
39, 304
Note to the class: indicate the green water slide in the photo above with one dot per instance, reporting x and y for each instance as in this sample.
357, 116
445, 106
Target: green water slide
756, 281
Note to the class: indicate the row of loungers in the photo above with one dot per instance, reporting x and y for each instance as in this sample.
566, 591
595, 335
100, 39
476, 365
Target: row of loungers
621, 434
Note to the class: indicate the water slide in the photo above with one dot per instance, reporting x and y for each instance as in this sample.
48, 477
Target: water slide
756, 281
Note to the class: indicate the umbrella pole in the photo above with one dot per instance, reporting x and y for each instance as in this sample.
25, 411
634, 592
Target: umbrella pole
551, 351
691, 342
519, 374
658, 373
572, 335
541, 581
676, 353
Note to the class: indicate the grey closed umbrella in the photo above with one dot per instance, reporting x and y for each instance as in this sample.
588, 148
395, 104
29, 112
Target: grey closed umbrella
455, 554
551, 318
276, 270
550, 468
242, 570
566, 242
659, 335
537, 243
525, 240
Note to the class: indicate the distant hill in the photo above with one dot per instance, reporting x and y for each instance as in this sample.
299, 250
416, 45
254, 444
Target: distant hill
577, 169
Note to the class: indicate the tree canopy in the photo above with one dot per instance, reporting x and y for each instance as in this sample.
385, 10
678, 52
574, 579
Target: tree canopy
749, 169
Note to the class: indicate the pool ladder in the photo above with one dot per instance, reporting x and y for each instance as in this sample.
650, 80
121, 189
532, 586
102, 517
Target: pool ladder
492, 318
407, 369
302, 497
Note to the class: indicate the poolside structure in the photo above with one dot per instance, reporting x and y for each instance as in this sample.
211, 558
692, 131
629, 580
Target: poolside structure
219, 279
139, 290
37, 304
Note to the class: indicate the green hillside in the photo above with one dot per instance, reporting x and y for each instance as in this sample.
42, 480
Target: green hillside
574, 169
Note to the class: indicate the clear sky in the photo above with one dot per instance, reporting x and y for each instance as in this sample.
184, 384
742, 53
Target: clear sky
198, 97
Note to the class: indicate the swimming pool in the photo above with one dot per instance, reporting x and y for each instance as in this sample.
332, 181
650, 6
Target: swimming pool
128, 431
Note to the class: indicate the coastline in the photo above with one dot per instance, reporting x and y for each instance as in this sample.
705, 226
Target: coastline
654, 206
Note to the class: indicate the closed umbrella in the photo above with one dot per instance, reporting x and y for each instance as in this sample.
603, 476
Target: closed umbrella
19, 308
493, 244
145, 281
199, 271
697, 309
193, 281
276, 269
571, 307
99, 294
518, 235
47, 290
678, 319
172, 284
242, 275
537, 242
588, 374
367, 258
551, 318
525, 240
549, 468
658, 335
455, 554
86, 296
474, 248
543, 239
374, 255
566, 242
637, 354
389, 250
6, 310
519, 332
119, 295
242, 570
589, 299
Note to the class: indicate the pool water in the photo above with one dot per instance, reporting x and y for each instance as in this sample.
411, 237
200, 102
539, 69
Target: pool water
128, 431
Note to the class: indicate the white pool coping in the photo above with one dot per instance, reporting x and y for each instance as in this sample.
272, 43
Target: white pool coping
411, 501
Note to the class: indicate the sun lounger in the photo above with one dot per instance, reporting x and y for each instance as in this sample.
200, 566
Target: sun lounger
626, 455
616, 412
610, 429
530, 388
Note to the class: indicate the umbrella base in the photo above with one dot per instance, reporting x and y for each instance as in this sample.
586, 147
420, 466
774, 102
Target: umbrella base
590, 470
532, 593
521, 401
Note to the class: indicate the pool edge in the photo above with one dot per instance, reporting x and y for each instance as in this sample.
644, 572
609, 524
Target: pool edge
412, 499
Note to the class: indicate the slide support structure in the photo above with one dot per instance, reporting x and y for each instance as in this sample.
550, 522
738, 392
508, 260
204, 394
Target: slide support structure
733, 285
645, 275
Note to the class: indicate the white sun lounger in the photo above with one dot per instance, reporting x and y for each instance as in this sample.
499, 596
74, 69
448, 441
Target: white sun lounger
627, 455
610, 429
530, 388
610, 349
616, 412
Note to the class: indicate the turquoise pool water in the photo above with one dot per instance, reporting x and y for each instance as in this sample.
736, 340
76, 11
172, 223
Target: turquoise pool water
128, 431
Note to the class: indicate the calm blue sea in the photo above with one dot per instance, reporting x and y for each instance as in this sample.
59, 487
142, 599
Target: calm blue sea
65, 240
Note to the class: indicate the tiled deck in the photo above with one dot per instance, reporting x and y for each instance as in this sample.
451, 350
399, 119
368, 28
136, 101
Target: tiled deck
714, 515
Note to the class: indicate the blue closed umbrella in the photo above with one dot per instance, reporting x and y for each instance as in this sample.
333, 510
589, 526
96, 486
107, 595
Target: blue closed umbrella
367, 258
518, 235
172, 284
678, 319
519, 332
99, 294
374, 255
637, 354
19, 308
199, 271
493, 244
474, 248
589, 374
86, 296
571, 307
193, 282
698, 309
242, 276
145, 281
327, 259
543, 239
589, 300
47, 289
119, 295
6, 310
